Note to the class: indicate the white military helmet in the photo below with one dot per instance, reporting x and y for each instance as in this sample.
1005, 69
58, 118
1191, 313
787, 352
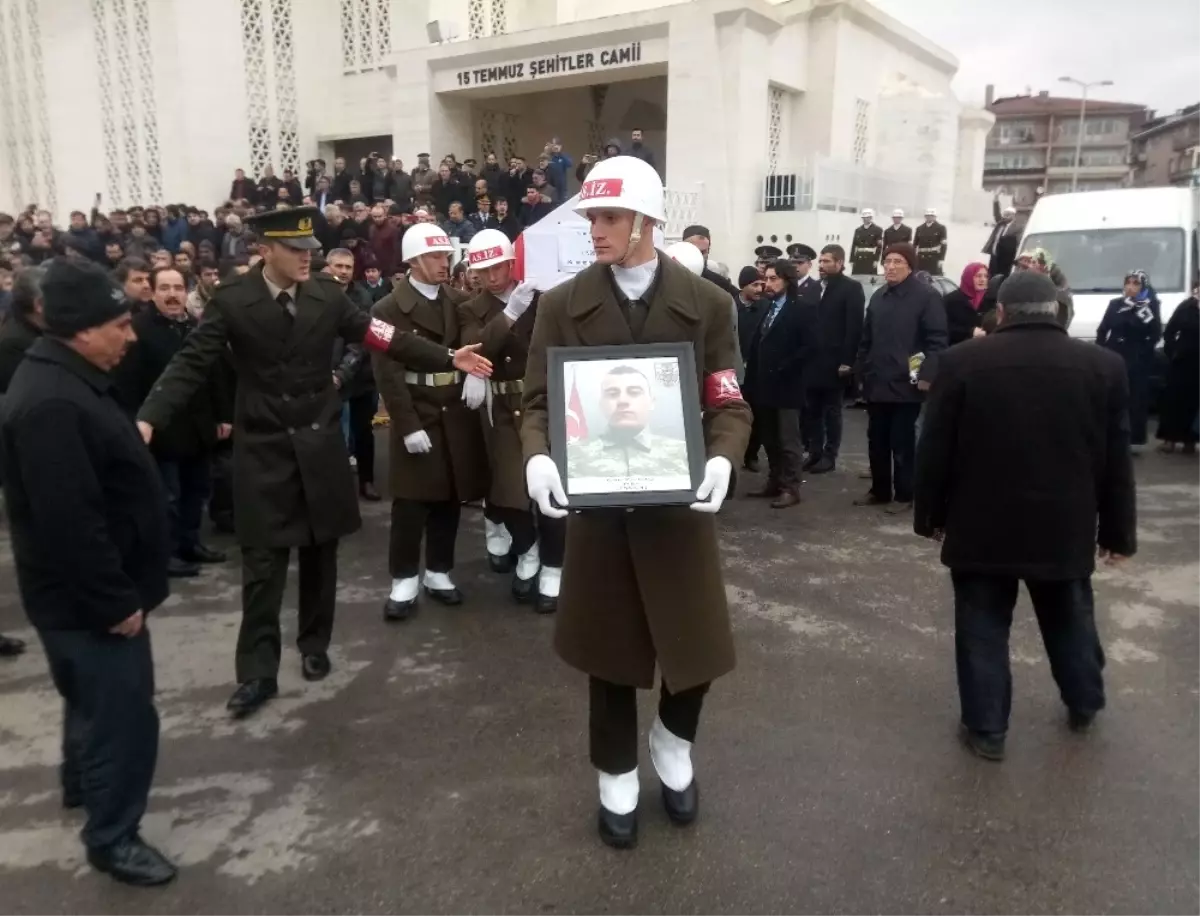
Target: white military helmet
897, 213
424, 238
488, 247
623, 183
929, 211
867, 213
688, 255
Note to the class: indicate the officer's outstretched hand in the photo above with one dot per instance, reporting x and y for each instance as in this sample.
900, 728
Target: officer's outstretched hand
467, 360
474, 391
543, 481
714, 486
418, 443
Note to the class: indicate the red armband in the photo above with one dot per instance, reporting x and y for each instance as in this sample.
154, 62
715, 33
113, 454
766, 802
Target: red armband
379, 335
720, 388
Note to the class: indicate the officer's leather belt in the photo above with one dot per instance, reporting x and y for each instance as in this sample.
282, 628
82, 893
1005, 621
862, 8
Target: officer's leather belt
928, 250
433, 379
864, 250
513, 387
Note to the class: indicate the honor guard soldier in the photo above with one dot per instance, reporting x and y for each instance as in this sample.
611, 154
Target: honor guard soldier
292, 480
644, 587
930, 242
897, 231
438, 458
501, 319
866, 246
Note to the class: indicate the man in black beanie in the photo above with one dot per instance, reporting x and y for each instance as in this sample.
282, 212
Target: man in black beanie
1024, 472
89, 532
751, 306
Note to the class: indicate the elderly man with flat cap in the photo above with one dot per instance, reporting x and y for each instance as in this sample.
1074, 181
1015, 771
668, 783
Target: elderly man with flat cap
293, 483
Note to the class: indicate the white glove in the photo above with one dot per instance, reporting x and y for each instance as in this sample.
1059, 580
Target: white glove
419, 443
714, 486
519, 300
474, 391
543, 481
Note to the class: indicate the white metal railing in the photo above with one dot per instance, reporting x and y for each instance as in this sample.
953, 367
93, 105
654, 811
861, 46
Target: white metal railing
822, 183
682, 209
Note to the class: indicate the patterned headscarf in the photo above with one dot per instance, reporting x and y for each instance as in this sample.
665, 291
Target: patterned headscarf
1146, 292
1041, 255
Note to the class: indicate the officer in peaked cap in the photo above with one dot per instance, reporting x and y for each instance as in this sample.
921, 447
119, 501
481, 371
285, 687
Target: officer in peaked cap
798, 251
764, 255
292, 482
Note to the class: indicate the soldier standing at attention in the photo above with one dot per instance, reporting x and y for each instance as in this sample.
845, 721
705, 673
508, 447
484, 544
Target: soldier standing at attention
625, 605
293, 485
438, 456
930, 242
867, 246
897, 231
501, 319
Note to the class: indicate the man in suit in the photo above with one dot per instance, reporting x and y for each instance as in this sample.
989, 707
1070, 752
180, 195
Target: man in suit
293, 484
829, 364
1024, 472
751, 306
1002, 244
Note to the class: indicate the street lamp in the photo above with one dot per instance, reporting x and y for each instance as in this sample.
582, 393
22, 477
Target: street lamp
1084, 87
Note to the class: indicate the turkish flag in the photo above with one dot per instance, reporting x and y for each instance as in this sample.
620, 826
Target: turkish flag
576, 421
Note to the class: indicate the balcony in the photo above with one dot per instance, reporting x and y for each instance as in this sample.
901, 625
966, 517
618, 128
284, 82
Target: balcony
1088, 171
998, 170
1185, 141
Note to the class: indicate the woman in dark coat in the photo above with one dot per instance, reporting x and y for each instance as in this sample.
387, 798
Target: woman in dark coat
1181, 400
963, 305
1130, 328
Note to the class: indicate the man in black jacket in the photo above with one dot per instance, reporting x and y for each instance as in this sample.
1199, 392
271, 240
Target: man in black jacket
830, 363
751, 306
89, 540
183, 449
904, 331
1024, 471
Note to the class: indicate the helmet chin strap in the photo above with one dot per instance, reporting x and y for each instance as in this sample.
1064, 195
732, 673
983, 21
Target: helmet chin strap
634, 238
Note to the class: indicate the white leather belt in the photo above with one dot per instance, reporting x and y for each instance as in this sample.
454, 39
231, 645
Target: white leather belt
514, 387
433, 379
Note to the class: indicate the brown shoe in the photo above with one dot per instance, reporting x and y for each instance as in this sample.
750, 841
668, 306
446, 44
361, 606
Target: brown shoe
770, 491
787, 499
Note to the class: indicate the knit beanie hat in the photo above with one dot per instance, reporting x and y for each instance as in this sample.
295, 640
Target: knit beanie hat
1026, 287
78, 295
906, 251
747, 276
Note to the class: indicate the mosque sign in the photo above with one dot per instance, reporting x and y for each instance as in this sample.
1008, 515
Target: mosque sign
531, 69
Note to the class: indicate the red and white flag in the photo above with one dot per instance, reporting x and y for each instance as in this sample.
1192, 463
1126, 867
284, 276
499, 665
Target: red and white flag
576, 421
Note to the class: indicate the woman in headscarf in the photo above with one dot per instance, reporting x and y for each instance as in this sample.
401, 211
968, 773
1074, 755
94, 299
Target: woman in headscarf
1039, 260
1131, 328
963, 311
1181, 400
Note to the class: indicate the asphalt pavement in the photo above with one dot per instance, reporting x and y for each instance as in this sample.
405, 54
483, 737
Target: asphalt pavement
443, 767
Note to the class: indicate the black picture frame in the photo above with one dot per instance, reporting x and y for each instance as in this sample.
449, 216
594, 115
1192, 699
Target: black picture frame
684, 411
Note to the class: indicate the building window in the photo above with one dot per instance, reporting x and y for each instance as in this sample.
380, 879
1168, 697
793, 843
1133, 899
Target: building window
254, 61
366, 27
862, 126
1014, 132
1094, 128
1027, 159
509, 135
487, 132
24, 126
487, 17
1101, 157
149, 109
775, 106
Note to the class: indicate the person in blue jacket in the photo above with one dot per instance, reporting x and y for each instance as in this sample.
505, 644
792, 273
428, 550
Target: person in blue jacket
1131, 328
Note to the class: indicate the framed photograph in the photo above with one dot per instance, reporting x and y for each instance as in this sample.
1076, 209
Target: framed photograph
625, 427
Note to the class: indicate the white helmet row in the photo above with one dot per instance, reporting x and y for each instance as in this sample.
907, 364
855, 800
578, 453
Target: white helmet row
867, 213
897, 213
623, 183
488, 247
424, 238
686, 254
929, 211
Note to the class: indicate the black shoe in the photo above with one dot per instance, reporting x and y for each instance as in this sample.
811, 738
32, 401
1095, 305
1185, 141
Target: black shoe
546, 604
871, 500
394, 611
899, 507
618, 830
1080, 721
751, 465
502, 565
368, 492
989, 747
315, 666
822, 465
523, 590
223, 523
132, 861
251, 695
809, 462
10, 647
682, 807
770, 491
201, 554
450, 596
182, 569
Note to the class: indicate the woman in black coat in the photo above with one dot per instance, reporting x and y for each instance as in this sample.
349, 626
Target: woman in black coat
964, 305
1181, 400
1130, 328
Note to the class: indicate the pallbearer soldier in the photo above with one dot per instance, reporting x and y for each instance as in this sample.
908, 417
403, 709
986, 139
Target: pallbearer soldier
292, 481
501, 319
640, 588
438, 458
930, 242
897, 231
867, 246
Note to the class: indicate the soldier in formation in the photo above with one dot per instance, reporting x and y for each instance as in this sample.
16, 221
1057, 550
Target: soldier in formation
897, 231
866, 248
930, 242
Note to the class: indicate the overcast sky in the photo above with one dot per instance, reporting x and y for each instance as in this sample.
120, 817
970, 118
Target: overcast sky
1150, 49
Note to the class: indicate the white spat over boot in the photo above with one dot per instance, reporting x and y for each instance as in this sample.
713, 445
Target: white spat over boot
402, 602
672, 758
617, 818
525, 576
499, 546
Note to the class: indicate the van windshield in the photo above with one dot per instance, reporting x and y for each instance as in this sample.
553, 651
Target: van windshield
1096, 260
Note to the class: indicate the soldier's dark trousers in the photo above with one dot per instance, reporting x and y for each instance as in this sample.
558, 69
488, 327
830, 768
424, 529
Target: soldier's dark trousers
362, 433
519, 523
785, 453
188, 483
110, 726
983, 612
264, 578
823, 417
437, 521
553, 535
613, 725
891, 447
220, 503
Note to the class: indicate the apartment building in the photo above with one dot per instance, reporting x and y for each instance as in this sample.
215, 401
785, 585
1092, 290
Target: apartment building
1166, 151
